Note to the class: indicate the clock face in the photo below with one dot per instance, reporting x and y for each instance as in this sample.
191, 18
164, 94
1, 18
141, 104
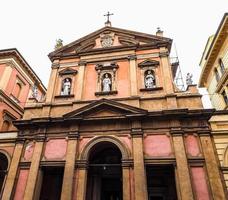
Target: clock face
106, 41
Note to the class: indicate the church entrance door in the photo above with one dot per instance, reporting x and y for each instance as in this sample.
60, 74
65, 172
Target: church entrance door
104, 173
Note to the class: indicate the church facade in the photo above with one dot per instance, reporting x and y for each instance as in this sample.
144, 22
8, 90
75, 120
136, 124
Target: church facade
114, 126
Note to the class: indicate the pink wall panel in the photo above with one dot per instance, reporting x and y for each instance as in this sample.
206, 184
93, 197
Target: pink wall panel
199, 183
55, 149
29, 151
192, 145
157, 145
20, 188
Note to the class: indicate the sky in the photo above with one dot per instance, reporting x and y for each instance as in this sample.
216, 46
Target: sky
33, 26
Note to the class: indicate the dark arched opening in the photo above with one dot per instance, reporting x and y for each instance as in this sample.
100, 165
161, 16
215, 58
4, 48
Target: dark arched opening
104, 172
3, 169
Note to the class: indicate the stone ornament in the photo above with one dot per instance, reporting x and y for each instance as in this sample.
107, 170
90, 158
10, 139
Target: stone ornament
107, 39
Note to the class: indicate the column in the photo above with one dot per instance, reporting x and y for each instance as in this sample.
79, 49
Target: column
69, 169
82, 179
183, 173
126, 180
80, 81
11, 177
138, 156
212, 165
133, 75
166, 71
34, 169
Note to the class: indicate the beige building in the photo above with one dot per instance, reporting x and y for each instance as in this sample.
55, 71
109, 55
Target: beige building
214, 77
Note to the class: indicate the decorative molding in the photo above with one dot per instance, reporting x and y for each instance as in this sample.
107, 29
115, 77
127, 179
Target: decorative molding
106, 93
82, 63
132, 57
163, 54
151, 89
64, 96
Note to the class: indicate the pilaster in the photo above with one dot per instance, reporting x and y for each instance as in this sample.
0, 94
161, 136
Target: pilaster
6, 76
183, 173
126, 180
218, 191
82, 179
138, 156
133, 75
11, 177
166, 71
52, 82
69, 167
34, 169
80, 81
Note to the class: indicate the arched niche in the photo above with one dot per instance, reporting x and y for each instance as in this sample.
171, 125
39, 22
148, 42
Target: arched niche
111, 139
4, 166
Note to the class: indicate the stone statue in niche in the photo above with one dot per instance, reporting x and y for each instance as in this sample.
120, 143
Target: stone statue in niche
149, 79
66, 87
34, 91
106, 83
189, 79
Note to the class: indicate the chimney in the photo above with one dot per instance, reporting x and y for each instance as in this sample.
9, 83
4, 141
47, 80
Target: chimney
159, 32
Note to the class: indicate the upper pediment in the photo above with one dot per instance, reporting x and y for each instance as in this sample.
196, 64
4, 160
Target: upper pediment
109, 38
105, 108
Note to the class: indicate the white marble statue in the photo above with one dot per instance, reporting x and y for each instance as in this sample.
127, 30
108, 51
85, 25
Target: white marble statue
66, 87
189, 79
149, 80
106, 84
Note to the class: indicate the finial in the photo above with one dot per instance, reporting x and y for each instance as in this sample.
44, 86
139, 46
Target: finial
59, 44
159, 32
108, 23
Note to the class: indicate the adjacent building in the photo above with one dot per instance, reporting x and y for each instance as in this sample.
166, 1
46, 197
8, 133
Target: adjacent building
214, 77
17, 84
114, 126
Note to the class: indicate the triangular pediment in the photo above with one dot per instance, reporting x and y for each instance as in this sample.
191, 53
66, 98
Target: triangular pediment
67, 71
105, 108
149, 63
109, 38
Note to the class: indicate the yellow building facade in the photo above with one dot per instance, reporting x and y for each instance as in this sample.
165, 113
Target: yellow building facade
214, 77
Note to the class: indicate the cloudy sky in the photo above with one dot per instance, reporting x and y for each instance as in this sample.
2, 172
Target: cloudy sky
33, 26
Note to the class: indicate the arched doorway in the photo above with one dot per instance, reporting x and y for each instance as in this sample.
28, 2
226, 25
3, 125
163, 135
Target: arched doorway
3, 169
104, 180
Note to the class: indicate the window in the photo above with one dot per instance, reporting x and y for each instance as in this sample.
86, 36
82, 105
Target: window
222, 68
17, 90
3, 169
66, 86
217, 75
225, 97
